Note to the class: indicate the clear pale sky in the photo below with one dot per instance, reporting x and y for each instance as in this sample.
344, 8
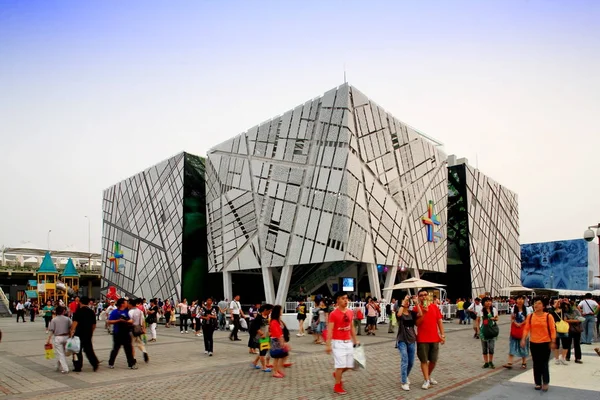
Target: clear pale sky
92, 92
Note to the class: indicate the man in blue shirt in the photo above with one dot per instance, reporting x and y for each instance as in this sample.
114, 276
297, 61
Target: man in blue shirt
122, 323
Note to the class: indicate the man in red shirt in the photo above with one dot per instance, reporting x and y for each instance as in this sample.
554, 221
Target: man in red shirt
74, 306
429, 321
341, 339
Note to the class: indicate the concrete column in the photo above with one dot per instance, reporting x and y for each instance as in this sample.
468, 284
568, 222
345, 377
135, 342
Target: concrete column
390, 280
284, 284
268, 284
227, 285
374, 280
90, 289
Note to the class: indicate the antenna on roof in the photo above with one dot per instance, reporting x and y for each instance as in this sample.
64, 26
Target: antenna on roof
345, 73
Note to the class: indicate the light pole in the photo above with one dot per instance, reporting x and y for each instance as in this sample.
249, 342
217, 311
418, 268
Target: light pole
89, 245
589, 235
50, 230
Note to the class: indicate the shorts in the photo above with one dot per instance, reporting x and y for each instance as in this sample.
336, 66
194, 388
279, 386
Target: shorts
343, 353
301, 317
428, 352
263, 353
371, 320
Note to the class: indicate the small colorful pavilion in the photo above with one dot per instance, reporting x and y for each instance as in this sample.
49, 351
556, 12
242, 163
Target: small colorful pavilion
70, 276
47, 276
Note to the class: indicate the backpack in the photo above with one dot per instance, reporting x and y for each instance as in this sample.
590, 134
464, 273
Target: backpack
388, 309
466, 305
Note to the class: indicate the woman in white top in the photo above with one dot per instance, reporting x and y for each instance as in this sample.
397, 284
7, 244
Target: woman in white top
183, 316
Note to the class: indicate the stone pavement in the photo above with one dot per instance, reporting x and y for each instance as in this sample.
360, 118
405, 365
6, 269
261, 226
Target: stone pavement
179, 369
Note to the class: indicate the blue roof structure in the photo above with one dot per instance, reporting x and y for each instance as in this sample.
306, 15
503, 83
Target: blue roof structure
47, 266
70, 271
32, 283
31, 294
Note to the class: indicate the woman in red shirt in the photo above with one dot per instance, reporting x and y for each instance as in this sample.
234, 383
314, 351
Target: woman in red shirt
279, 349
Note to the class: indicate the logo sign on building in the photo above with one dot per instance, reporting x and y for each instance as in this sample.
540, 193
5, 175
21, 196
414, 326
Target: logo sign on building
430, 221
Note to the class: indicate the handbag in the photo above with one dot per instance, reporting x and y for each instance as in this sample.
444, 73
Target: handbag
489, 329
137, 330
516, 332
561, 326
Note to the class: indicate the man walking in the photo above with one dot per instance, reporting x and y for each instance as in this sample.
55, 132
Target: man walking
137, 316
20, 311
588, 308
473, 312
121, 323
341, 339
235, 308
84, 325
429, 321
222, 311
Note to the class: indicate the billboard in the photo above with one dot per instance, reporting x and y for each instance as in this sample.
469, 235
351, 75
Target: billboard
555, 265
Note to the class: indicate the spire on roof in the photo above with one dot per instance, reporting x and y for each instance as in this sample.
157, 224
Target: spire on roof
70, 271
47, 266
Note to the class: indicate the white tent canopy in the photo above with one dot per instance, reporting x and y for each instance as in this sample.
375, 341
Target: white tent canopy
515, 287
414, 283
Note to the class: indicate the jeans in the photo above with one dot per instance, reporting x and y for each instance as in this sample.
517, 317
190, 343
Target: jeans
221, 321
576, 336
183, 319
540, 354
207, 332
588, 329
88, 349
407, 353
236, 326
122, 339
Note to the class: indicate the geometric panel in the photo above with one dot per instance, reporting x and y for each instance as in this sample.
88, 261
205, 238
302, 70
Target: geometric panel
335, 179
144, 213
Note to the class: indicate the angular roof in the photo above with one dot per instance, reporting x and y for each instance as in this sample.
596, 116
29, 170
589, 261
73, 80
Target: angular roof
31, 294
70, 271
32, 283
47, 266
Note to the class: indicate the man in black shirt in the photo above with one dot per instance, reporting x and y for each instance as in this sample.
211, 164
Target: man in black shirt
84, 324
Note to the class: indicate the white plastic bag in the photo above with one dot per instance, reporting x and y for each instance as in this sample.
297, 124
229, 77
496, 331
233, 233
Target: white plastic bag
73, 345
243, 324
360, 359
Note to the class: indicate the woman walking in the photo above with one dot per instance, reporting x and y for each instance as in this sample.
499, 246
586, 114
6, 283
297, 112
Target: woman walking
279, 350
488, 331
406, 339
540, 329
562, 331
209, 314
152, 319
183, 316
574, 318
48, 310
60, 328
519, 314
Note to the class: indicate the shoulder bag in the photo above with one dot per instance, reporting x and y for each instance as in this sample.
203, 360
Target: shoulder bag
516, 332
561, 325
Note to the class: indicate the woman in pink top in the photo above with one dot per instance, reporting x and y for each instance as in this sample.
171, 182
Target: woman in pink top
279, 349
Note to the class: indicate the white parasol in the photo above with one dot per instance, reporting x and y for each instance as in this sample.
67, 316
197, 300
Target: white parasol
414, 283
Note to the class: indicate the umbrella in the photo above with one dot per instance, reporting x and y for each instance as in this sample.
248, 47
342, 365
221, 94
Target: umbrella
515, 287
414, 283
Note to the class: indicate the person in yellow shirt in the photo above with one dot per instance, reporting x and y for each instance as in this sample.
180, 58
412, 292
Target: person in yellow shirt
460, 308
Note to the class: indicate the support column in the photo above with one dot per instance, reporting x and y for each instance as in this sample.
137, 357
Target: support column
284, 284
227, 286
374, 280
90, 289
390, 280
268, 284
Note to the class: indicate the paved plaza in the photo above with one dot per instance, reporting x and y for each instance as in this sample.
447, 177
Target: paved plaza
179, 369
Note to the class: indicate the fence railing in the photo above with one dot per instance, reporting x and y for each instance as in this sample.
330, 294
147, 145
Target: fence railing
448, 311
5, 300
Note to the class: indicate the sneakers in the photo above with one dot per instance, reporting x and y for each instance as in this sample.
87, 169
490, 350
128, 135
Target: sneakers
486, 365
431, 381
405, 387
210, 353
563, 362
133, 367
181, 332
492, 366
557, 361
339, 389
197, 334
205, 351
426, 385
111, 366
186, 332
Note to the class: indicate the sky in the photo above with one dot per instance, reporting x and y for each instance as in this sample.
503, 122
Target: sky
92, 92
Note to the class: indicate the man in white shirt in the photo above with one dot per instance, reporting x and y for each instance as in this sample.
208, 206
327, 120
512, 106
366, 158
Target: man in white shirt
476, 308
235, 308
588, 309
20, 311
109, 309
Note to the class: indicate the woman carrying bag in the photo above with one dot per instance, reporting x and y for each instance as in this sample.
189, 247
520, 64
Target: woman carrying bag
541, 330
574, 318
562, 331
488, 331
517, 326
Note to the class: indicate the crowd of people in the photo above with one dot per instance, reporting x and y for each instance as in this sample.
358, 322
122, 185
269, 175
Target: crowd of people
539, 328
